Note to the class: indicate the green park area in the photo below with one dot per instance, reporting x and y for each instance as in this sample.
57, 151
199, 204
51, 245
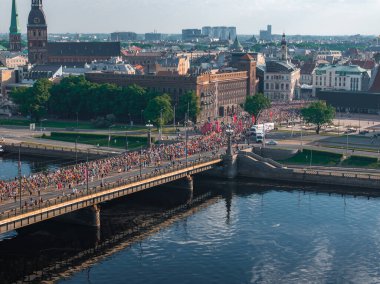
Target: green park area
116, 141
324, 158
361, 162
316, 158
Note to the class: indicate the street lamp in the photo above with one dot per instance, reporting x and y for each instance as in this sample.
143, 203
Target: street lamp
19, 175
161, 125
142, 120
229, 133
149, 126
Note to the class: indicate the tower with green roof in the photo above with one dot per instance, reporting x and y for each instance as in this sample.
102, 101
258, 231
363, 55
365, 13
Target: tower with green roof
14, 30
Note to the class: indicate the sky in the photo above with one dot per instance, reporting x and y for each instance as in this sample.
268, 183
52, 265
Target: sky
317, 17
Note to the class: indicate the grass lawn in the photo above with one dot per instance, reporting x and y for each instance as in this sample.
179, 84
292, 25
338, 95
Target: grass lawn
65, 124
116, 141
320, 158
361, 162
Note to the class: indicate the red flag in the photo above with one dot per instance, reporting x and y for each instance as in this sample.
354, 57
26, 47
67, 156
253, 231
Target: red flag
253, 119
235, 118
271, 114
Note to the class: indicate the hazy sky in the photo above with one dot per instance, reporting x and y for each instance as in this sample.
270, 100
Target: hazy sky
170, 16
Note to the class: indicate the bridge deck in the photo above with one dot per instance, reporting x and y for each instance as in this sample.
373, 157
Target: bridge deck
18, 218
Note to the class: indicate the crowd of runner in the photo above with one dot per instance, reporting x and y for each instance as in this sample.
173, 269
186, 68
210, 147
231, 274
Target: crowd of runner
74, 176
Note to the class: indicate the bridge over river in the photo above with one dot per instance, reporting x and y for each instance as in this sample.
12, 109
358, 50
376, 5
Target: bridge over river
82, 206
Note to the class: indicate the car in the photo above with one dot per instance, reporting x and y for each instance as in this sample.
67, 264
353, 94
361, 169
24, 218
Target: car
272, 143
363, 132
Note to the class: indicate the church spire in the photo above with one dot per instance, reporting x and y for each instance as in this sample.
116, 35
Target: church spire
14, 30
15, 27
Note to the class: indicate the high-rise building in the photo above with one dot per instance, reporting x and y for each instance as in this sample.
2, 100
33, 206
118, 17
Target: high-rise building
123, 36
222, 33
14, 30
266, 35
37, 34
191, 34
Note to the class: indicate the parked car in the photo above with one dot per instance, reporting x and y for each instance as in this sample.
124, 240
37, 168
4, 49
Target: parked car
363, 132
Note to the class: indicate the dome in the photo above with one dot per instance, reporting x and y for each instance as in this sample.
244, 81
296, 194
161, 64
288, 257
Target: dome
36, 17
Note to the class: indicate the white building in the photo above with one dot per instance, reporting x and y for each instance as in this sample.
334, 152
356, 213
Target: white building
281, 78
13, 59
340, 78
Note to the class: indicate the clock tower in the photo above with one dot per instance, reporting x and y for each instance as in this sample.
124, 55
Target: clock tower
37, 34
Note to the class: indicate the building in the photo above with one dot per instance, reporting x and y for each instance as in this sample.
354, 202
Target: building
14, 30
113, 65
79, 53
307, 70
340, 77
282, 78
7, 77
221, 33
65, 53
36, 72
328, 55
352, 102
13, 60
153, 37
266, 35
146, 59
220, 92
191, 34
123, 36
179, 65
37, 34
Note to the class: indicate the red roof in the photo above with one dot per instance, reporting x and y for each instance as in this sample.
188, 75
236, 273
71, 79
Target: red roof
248, 57
365, 64
308, 68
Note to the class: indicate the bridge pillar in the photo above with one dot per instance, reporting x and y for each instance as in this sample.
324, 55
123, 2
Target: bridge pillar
89, 217
95, 222
230, 166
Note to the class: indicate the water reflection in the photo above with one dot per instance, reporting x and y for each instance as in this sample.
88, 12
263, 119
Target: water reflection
232, 232
29, 165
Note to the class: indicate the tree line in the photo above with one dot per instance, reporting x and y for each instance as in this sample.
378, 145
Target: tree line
75, 97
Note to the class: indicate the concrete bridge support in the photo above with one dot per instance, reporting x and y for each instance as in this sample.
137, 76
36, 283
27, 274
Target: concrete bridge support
184, 188
89, 217
230, 166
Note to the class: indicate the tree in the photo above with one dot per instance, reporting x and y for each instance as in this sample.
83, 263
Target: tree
154, 108
255, 105
318, 113
188, 101
33, 100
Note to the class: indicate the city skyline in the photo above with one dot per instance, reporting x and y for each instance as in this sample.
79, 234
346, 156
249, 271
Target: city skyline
249, 16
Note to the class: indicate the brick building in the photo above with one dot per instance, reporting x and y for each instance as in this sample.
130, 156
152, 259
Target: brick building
220, 92
65, 53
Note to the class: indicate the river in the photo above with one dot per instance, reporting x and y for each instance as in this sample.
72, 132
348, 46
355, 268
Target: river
232, 232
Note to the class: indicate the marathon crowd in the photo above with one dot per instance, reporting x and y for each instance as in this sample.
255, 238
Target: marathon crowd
73, 177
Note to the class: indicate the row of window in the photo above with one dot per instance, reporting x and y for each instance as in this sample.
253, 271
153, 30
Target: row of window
277, 77
276, 86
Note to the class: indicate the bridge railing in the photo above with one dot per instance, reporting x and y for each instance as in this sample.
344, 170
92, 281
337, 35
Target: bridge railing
107, 186
324, 173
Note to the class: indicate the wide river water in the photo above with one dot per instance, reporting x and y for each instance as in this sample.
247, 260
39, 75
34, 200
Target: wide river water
231, 232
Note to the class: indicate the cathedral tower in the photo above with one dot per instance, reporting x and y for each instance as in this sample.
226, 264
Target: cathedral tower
14, 30
37, 34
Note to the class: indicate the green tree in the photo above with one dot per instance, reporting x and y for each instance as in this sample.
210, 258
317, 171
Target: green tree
33, 101
255, 105
154, 108
188, 101
318, 113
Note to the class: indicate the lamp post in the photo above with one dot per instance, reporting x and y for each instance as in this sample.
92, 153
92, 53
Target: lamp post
88, 150
140, 162
149, 126
161, 126
76, 150
142, 120
126, 141
229, 133
175, 105
19, 175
